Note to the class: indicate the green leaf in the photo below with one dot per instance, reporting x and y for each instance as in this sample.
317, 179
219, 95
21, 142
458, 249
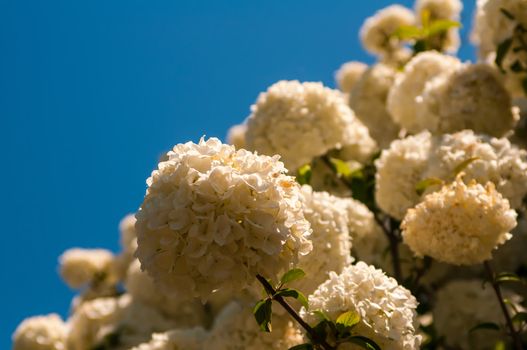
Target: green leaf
341, 167
464, 164
366, 343
419, 46
304, 174
507, 14
262, 313
501, 52
305, 346
422, 185
408, 32
348, 319
292, 275
516, 67
500, 345
293, 293
520, 317
441, 26
508, 277
320, 314
485, 325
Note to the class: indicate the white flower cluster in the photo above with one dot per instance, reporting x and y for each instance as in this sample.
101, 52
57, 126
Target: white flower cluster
416, 158
236, 136
492, 28
387, 310
214, 217
300, 121
460, 224
179, 339
331, 239
368, 101
376, 33
348, 75
442, 10
41, 333
464, 304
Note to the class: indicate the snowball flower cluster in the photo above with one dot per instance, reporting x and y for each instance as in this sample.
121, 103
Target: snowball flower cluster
41, 333
387, 310
300, 121
236, 136
406, 93
423, 156
460, 224
470, 97
348, 74
464, 304
331, 239
235, 328
368, 101
179, 339
82, 267
214, 217
376, 33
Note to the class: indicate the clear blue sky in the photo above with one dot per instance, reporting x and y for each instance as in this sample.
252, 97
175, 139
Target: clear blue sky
92, 92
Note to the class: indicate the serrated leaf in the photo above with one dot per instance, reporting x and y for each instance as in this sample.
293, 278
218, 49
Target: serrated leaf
441, 26
262, 313
507, 14
304, 174
348, 319
305, 346
464, 164
292, 275
485, 325
341, 167
408, 32
293, 293
422, 185
364, 342
501, 52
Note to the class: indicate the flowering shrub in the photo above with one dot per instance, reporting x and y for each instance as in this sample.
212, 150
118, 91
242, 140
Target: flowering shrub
389, 214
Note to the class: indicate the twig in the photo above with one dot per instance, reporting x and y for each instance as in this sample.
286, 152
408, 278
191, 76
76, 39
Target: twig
495, 285
272, 293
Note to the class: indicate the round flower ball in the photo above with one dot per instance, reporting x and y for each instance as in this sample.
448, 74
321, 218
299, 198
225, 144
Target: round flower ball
348, 74
368, 101
214, 217
460, 224
236, 135
406, 93
471, 97
464, 304
87, 267
178, 339
387, 310
377, 31
41, 333
300, 121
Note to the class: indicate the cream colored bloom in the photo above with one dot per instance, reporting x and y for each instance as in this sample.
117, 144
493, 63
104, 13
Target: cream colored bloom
368, 101
41, 333
376, 33
442, 10
331, 240
464, 304
122, 322
186, 312
128, 241
348, 75
214, 217
236, 135
406, 93
470, 97
460, 224
387, 310
399, 169
236, 329
300, 121
179, 339
87, 267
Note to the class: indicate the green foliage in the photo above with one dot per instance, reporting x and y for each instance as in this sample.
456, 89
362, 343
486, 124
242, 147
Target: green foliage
422, 185
304, 174
305, 346
341, 167
362, 185
464, 164
292, 275
347, 320
485, 326
293, 293
364, 342
520, 319
507, 14
262, 313
501, 52
504, 277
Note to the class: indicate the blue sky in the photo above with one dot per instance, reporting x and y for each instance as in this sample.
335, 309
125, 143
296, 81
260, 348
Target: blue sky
92, 92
